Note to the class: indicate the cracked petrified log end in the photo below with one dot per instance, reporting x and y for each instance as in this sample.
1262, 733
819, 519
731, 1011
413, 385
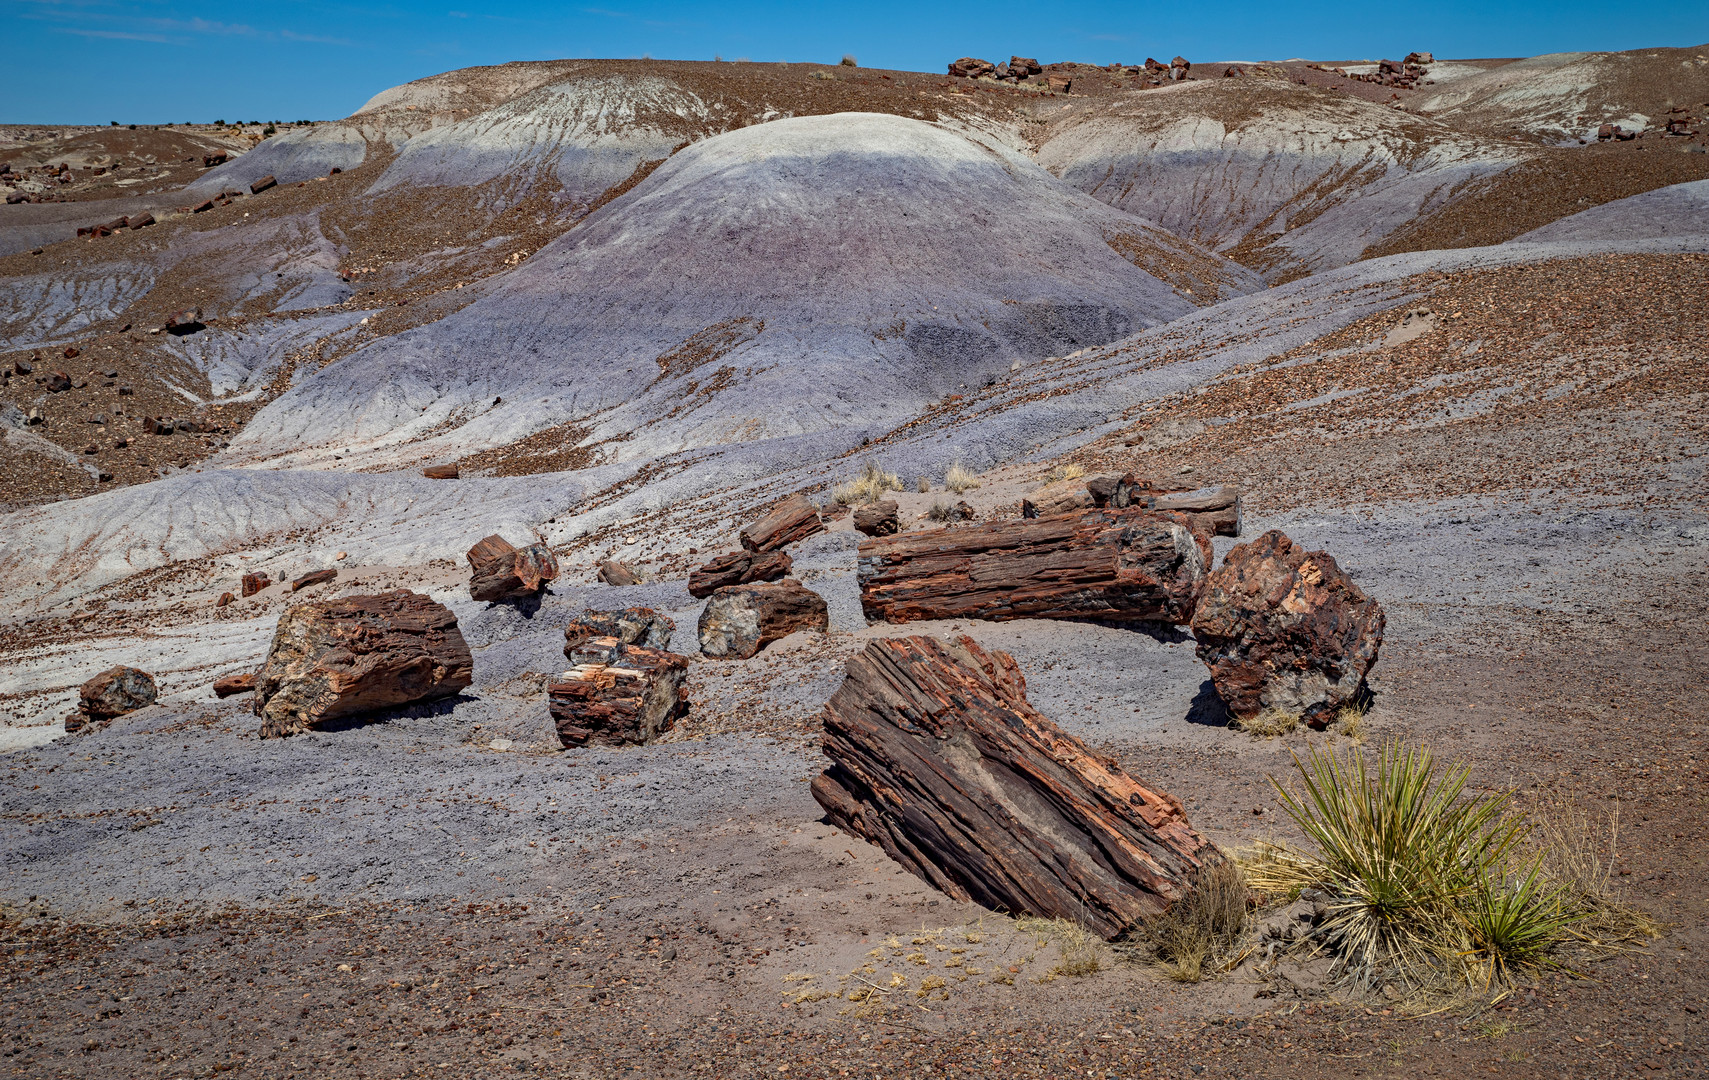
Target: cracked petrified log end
938, 758
630, 626
254, 583
225, 598
614, 572
1118, 565
336, 658
740, 620
1286, 628
263, 184
1061, 497
313, 577
795, 518
878, 519
234, 684
741, 567
1215, 510
441, 472
498, 570
114, 692
617, 694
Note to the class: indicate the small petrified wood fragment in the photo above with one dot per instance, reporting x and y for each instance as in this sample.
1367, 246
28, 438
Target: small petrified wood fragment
1213, 510
1119, 565
613, 572
335, 658
113, 693
617, 694
631, 626
741, 620
314, 577
938, 758
1061, 497
878, 519
229, 685
1286, 628
441, 472
741, 567
254, 583
500, 571
795, 518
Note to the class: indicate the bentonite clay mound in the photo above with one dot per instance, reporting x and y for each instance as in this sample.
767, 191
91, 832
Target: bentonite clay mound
1112, 564
938, 758
1285, 628
336, 658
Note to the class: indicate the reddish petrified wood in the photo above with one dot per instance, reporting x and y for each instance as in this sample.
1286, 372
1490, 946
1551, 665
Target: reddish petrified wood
618, 694
630, 626
937, 757
114, 692
254, 583
313, 577
741, 620
498, 570
1110, 564
878, 519
441, 472
793, 519
613, 572
742, 567
1212, 510
334, 658
234, 684
1061, 497
1286, 628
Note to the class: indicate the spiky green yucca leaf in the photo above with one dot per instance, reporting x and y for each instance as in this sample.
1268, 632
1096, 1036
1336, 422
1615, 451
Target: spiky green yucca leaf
1514, 920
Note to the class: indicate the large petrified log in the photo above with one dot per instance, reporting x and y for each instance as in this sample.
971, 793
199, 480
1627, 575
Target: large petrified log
1285, 628
334, 658
498, 570
742, 567
741, 620
795, 518
113, 693
1112, 564
631, 626
937, 757
617, 694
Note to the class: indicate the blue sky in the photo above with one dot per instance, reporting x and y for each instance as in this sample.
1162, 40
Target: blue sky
142, 61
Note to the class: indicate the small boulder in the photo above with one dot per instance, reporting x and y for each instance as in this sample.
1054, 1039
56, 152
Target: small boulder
970, 67
180, 323
739, 621
1024, 67
355, 654
630, 626
114, 692
58, 382
739, 568
617, 694
229, 685
262, 185
878, 519
1285, 628
254, 583
614, 572
499, 570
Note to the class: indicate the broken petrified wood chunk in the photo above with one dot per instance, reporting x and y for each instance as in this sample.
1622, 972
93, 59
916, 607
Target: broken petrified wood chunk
114, 692
742, 567
878, 519
938, 758
795, 518
613, 572
631, 626
499, 570
1285, 628
741, 620
1214, 510
234, 684
313, 577
441, 472
180, 323
334, 658
1121, 565
254, 583
617, 694
262, 184
1060, 497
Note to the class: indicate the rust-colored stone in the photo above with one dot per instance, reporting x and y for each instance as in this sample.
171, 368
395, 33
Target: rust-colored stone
742, 567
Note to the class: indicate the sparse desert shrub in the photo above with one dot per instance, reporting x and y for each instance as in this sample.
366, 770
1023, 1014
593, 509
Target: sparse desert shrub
1076, 947
1571, 845
1269, 723
849, 60
1350, 723
922, 485
959, 479
1200, 934
869, 486
1066, 472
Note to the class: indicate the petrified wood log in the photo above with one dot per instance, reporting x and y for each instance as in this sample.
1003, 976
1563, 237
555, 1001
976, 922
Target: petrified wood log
113, 693
313, 577
741, 620
1213, 510
500, 571
937, 757
1061, 497
1286, 628
618, 694
613, 572
741, 567
790, 520
234, 684
1110, 564
333, 658
878, 519
441, 472
631, 626
254, 583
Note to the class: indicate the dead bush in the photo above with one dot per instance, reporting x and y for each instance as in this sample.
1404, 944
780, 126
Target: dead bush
1199, 935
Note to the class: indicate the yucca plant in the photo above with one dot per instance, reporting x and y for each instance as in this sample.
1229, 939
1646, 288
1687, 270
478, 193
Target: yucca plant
1514, 919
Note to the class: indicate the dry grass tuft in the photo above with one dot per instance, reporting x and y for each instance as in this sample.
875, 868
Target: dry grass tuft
1201, 933
922, 485
1269, 723
1350, 724
868, 487
1076, 947
1066, 472
959, 479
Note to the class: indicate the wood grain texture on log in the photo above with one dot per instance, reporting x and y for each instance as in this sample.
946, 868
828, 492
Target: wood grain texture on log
441, 472
630, 626
313, 577
1120, 565
878, 519
740, 620
254, 583
938, 758
500, 571
1061, 497
618, 694
795, 518
741, 567
335, 658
